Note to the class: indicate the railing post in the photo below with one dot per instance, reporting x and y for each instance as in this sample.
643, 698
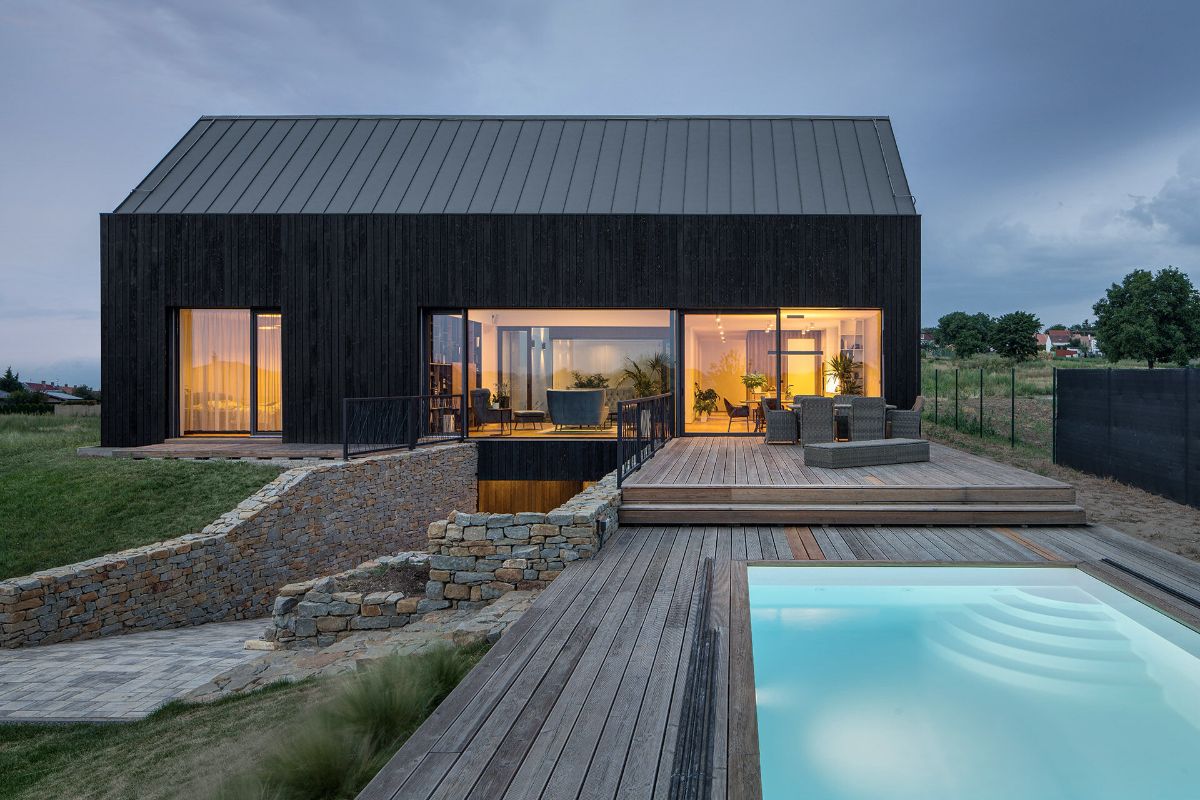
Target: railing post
620, 443
345, 429
413, 421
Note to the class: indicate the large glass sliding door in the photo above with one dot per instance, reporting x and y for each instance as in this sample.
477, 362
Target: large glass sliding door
230, 371
729, 367
733, 361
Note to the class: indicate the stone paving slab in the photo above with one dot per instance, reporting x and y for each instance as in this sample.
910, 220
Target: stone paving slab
119, 677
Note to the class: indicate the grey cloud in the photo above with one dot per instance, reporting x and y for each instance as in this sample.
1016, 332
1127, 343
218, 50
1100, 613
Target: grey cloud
1176, 206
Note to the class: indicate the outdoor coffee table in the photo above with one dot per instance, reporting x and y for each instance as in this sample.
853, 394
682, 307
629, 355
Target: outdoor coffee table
865, 453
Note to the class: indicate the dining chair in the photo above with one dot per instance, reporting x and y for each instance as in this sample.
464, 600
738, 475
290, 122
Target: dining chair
736, 412
906, 422
867, 418
816, 420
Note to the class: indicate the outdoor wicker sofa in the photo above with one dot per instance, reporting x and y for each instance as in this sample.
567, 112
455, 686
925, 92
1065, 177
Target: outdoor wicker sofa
870, 452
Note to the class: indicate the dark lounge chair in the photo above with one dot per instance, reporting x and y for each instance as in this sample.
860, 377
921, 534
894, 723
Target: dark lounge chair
736, 412
481, 408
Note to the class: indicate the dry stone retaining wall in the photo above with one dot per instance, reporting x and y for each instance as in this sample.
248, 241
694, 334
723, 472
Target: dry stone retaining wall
477, 557
314, 519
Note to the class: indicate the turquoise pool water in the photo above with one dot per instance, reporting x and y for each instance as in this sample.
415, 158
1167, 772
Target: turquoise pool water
931, 683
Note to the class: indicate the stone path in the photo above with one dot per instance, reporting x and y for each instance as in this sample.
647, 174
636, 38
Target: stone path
435, 629
118, 677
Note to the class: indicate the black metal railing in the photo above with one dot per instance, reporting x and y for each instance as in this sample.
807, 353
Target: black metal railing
374, 424
644, 425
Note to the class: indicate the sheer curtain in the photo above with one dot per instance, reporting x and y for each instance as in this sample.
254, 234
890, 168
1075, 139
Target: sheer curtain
270, 370
214, 370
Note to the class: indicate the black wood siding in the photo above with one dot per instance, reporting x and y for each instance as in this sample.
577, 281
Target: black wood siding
352, 289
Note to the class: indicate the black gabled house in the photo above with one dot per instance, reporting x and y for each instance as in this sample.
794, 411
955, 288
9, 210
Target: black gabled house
268, 267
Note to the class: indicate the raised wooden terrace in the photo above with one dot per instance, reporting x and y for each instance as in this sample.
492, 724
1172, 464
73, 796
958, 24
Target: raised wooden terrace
730, 480
582, 697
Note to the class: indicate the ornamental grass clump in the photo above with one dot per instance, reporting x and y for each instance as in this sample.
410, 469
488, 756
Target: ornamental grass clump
337, 749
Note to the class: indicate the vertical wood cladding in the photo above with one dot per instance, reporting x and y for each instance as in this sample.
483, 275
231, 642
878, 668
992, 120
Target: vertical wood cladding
352, 288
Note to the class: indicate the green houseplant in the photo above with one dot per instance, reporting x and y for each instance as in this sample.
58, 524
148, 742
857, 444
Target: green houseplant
595, 381
503, 396
754, 381
649, 377
704, 402
844, 369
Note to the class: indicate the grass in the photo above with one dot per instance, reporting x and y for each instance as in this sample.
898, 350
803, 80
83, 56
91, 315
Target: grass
1032, 385
337, 748
173, 753
57, 508
311, 740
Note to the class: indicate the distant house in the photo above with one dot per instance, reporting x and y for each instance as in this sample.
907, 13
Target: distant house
46, 387
1063, 343
3, 395
58, 396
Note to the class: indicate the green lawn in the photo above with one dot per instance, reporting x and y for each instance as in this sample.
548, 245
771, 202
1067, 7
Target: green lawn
57, 508
180, 751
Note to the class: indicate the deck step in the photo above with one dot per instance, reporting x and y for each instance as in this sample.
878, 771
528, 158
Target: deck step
659, 513
702, 493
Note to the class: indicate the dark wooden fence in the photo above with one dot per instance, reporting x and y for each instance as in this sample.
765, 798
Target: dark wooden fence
1141, 427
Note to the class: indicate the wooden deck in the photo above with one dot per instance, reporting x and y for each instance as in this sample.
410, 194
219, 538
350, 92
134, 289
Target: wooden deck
581, 698
725, 480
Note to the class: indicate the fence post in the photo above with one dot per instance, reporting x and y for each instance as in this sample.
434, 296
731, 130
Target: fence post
1012, 413
1054, 415
956, 398
935, 397
981, 402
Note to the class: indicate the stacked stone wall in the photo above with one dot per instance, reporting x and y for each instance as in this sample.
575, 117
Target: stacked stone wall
478, 557
315, 519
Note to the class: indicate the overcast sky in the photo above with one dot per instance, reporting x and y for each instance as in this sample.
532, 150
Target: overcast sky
1052, 146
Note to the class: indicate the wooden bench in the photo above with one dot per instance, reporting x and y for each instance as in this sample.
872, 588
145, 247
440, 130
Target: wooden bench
869, 452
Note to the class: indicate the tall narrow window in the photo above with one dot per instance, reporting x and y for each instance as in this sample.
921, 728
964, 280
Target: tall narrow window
269, 372
214, 370
230, 371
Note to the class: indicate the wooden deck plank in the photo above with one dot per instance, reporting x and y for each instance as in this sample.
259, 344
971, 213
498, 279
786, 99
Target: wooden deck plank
528, 705
646, 741
581, 698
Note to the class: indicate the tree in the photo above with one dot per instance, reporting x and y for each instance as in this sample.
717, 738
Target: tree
1150, 318
85, 392
11, 381
967, 333
1013, 335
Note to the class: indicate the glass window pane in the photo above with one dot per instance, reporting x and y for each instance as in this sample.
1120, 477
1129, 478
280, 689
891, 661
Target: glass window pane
214, 371
573, 365
269, 361
445, 337
730, 369
814, 339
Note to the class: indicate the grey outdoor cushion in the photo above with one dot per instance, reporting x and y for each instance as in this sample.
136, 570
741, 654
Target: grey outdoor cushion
577, 408
870, 452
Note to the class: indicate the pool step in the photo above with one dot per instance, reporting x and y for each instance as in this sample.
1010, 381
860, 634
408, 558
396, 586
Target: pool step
861, 513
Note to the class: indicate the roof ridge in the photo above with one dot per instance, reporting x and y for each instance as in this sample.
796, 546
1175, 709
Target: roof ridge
585, 117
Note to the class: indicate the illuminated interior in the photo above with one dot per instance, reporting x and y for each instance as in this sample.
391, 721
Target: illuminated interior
522, 357
218, 349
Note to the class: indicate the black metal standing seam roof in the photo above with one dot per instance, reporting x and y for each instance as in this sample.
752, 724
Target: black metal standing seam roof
529, 165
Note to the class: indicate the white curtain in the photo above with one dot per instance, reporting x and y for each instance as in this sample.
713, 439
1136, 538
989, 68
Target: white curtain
270, 372
214, 370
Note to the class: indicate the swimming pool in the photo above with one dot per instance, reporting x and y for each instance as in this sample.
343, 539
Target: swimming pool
971, 683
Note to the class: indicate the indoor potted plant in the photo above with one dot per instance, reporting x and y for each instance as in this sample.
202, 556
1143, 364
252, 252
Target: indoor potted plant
502, 397
755, 382
844, 370
704, 402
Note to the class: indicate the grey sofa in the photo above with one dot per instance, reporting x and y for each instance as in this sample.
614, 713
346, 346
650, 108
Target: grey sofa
577, 408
